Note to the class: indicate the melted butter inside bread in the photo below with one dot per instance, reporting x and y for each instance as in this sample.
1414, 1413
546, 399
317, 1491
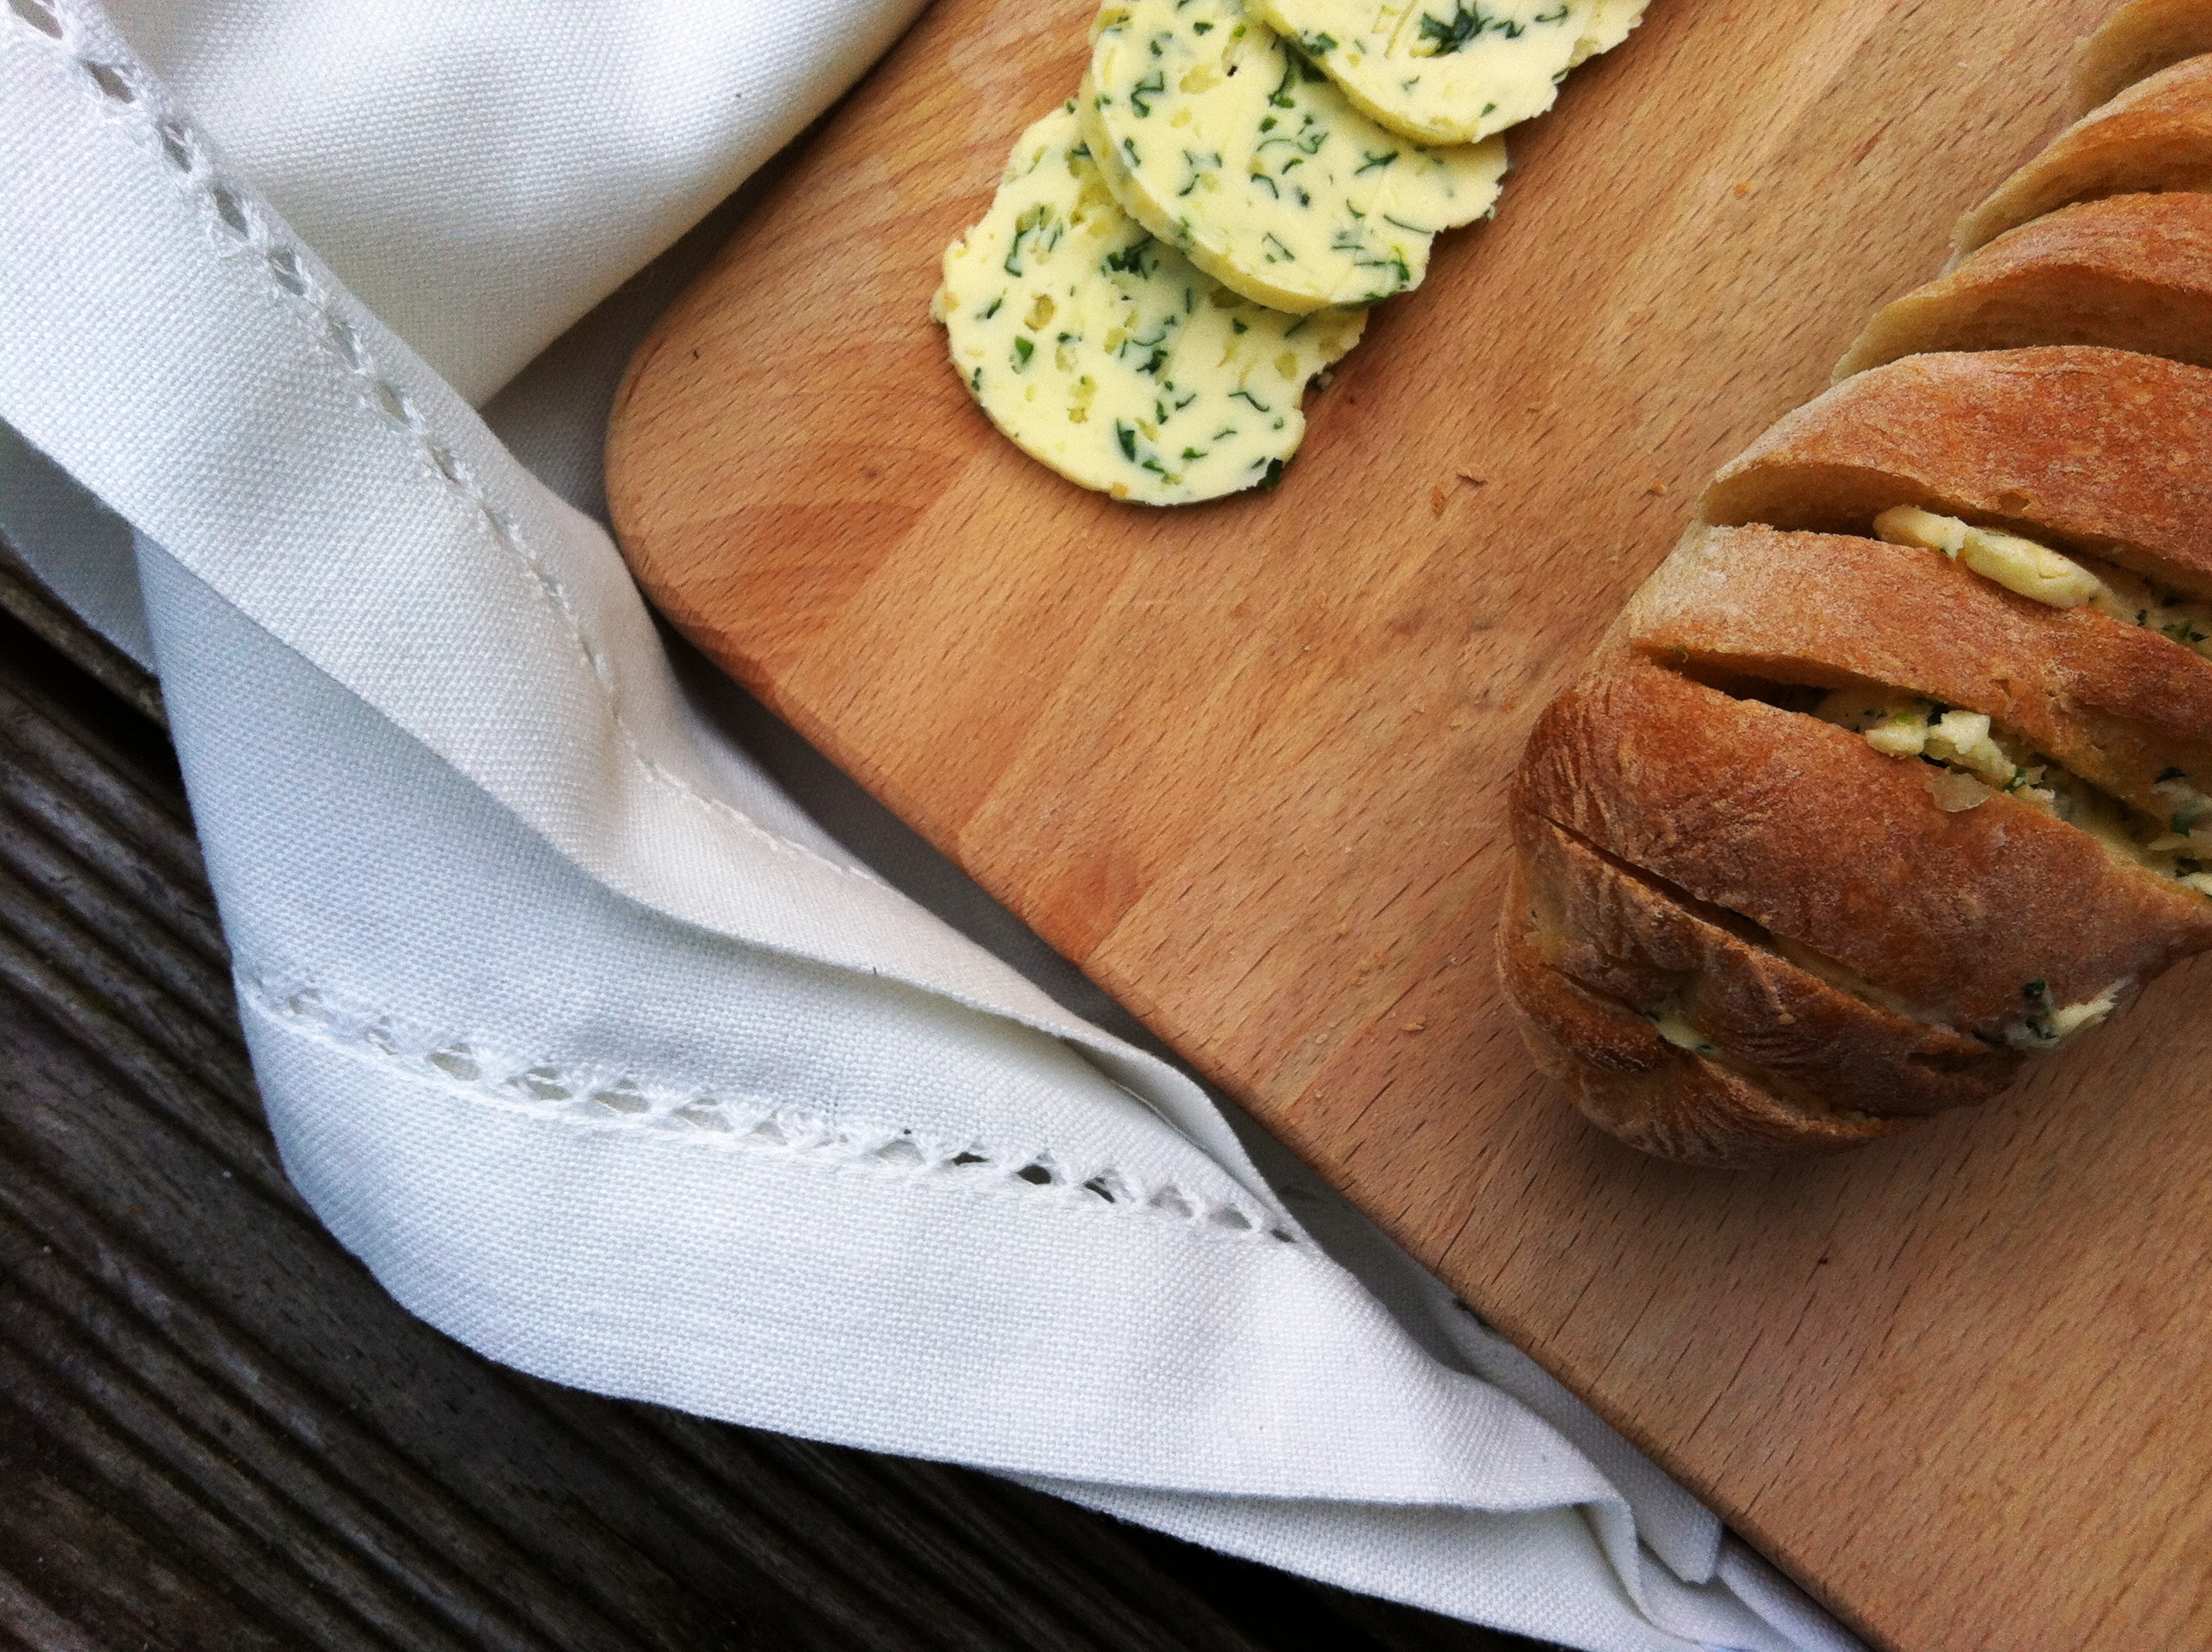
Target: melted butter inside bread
2019, 565
1971, 762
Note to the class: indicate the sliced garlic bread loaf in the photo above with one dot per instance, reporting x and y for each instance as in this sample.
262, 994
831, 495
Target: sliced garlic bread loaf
1829, 922
1844, 819
1899, 769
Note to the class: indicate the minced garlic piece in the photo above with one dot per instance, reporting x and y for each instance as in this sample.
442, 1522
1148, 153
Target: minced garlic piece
1895, 723
1963, 738
1902, 734
1667, 1018
1900, 724
1955, 792
2048, 1026
2075, 1017
2186, 806
2019, 565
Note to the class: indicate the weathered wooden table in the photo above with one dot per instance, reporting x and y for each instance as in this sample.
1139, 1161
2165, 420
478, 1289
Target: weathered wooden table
215, 1429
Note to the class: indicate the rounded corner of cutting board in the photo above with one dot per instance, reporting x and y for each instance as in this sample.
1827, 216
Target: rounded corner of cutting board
794, 413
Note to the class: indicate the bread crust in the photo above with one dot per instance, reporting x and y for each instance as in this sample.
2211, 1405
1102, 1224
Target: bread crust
1627, 937
2131, 272
1632, 1083
2155, 136
2137, 40
2098, 451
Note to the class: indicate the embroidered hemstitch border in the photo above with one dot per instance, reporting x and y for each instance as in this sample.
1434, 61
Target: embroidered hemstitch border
599, 1096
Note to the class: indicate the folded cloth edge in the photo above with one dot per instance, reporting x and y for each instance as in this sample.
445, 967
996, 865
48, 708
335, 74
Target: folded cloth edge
365, 374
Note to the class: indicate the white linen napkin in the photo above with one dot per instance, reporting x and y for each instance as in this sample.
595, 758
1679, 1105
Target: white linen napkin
602, 1056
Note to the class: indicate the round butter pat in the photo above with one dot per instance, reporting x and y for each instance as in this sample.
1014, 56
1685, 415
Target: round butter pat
1105, 354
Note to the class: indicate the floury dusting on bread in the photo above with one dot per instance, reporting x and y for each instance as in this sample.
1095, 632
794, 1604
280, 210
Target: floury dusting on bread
1897, 773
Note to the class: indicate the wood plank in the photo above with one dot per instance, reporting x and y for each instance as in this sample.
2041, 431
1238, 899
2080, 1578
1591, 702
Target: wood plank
216, 1430
1244, 763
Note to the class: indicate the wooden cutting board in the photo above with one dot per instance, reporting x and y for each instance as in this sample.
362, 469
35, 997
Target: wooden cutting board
1243, 762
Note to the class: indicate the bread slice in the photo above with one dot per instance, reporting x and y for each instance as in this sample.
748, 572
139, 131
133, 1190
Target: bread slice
2119, 705
1634, 938
2130, 271
2098, 451
2139, 39
2155, 136
1632, 1083
1807, 831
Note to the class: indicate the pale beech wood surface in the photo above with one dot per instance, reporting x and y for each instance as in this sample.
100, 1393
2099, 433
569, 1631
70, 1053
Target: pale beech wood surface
1244, 764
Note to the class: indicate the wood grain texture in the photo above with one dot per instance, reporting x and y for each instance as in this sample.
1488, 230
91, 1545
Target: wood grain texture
217, 1432
1245, 764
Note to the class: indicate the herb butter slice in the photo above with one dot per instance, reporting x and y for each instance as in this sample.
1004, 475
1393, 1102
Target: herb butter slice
1215, 135
1609, 24
1451, 72
1106, 354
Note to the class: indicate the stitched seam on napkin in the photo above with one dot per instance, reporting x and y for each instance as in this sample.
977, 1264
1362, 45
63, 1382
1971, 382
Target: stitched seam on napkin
598, 1097
235, 217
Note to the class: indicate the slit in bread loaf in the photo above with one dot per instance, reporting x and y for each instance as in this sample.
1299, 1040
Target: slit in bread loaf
1974, 759
2155, 136
1631, 1082
1881, 640
1806, 830
2091, 451
2131, 272
2121, 703
2029, 569
1714, 982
